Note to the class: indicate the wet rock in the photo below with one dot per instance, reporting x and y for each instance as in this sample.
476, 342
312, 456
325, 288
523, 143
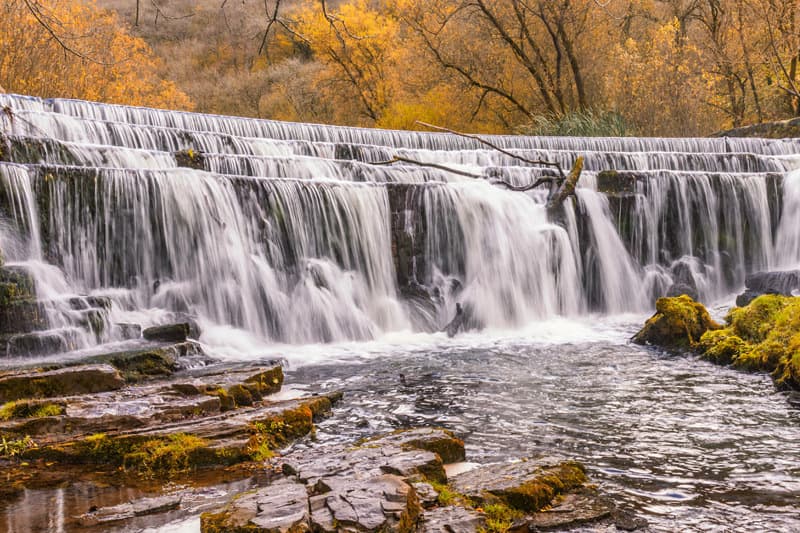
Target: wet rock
527, 486
279, 508
428, 496
363, 462
42, 343
617, 183
381, 503
678, 324
126, 511
784, 283
571, 511
62, 382
680, 289
437, 440
452, 520
191, 159
149, 362
22, 316
129, 331
31, 409
265, 382
167, 333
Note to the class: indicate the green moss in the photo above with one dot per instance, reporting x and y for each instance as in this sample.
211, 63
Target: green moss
537, 494
679, 323
499, 517
30, 409
166, 457
722, 346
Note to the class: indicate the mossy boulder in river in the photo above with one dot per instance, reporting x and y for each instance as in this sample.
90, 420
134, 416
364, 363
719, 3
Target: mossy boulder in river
679, 323
765, 336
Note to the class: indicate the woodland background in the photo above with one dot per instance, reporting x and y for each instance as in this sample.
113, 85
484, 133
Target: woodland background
586, 67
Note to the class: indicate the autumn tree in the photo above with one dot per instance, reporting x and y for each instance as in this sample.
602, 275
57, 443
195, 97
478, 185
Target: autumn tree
76, 50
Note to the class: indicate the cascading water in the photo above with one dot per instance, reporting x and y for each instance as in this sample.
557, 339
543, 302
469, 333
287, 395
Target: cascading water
294, 236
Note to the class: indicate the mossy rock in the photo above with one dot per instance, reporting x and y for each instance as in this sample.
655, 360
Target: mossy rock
678, 324
762, 336
32, 409
437, 440
526, 486
266, 382
86, 379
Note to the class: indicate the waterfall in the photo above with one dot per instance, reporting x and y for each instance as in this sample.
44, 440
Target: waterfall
292, 233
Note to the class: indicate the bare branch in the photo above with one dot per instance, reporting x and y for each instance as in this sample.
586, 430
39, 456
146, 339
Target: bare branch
481, 140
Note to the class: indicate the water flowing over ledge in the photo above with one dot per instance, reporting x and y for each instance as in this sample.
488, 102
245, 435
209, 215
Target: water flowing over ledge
290, 234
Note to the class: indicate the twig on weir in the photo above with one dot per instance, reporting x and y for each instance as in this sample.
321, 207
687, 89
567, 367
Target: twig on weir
400, 159
495, 147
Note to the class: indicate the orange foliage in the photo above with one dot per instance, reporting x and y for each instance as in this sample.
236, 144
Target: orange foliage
104, 62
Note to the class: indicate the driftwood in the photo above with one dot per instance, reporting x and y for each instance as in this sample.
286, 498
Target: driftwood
567, 188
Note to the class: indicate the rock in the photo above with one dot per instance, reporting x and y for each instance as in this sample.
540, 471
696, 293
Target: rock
279, 508
363, 462
437, 440
782, 129
571, 511
149, 362
69, 381
527, 486
42, 343
129, 331
125, 511
779, 282
167, 333
678, 324
428, 496
746, 297
762, 336
617, 183
452, 520
265, 382
383, 503
679, 289
22, 316
191, 159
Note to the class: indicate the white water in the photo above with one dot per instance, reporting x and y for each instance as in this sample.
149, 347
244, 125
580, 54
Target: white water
288, 240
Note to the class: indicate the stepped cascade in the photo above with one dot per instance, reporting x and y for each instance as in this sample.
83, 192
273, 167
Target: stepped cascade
293, 234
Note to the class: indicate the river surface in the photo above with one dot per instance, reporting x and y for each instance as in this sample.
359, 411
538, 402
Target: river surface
686, 444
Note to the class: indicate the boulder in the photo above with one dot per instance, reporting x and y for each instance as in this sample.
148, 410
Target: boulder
527, 486
452, 520
437, 440
69, 381
679, 289
167, 333
778, 282
762, 336
279, 508
678, 324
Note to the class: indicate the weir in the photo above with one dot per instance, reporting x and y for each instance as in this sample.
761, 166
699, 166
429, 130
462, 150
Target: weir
291, 233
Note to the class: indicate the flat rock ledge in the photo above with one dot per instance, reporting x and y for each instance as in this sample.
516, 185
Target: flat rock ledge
397, 483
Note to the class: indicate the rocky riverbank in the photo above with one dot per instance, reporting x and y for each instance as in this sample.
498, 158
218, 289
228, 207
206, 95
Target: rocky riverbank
174, 438
762, 336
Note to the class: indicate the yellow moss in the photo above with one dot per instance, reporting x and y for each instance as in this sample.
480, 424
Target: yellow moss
499, 517
764, 335
30, 409
754, 322
679, 323
168, 456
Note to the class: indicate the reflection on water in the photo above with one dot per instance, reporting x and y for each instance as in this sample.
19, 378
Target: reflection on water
689, 445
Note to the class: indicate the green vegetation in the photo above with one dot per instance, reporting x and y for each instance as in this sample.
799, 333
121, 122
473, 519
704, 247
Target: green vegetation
11, 448
30, 409
499, 517
579, 124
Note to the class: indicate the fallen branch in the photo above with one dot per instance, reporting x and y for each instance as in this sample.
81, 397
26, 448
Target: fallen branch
495, 147
400, 159
568, 187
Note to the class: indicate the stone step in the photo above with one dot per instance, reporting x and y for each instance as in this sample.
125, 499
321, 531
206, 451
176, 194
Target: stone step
70, 381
